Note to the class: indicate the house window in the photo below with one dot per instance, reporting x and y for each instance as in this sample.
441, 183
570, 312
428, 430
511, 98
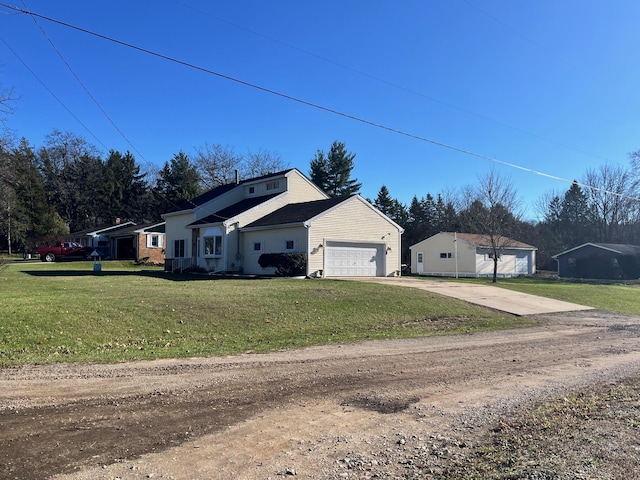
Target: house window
256, 247
273, 185
489, 256
154, 241
446, 255
571, 263
289, 245
213, 245
178, 248
252, 190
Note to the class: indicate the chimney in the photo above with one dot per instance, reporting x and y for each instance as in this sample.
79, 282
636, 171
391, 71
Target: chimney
237, 177
117, 220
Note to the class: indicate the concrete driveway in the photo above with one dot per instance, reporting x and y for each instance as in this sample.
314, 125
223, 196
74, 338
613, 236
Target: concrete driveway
497, 298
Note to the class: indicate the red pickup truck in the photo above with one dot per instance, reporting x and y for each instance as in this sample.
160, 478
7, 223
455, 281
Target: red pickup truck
64, 251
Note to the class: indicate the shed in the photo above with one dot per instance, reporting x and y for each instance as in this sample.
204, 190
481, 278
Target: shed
600, 261
452, 254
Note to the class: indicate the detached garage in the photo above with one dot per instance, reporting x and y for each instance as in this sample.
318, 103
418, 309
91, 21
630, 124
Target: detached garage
450, 254
342, 237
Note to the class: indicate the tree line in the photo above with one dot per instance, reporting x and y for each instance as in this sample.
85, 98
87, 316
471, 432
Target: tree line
66, 185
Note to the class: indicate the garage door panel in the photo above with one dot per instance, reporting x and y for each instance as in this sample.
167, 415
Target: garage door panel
359, 260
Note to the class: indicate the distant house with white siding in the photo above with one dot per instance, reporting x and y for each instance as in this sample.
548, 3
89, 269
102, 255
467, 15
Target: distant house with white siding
229, 227
450, 254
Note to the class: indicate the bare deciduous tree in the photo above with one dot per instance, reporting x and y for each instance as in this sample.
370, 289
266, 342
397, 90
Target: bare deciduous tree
218, 164
493, 209
608, 196
262, 162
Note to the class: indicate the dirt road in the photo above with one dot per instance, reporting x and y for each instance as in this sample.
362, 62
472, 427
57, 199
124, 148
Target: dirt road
339, 411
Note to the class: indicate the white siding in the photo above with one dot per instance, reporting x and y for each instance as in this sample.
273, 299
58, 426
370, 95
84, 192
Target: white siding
272, 242
472, 260
354, 221
175, 229
431, 249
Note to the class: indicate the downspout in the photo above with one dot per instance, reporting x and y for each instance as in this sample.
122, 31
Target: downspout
308, 272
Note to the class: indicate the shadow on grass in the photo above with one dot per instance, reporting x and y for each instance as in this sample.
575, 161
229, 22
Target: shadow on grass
175, 277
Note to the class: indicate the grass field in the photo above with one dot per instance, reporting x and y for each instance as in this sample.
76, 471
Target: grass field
66, 312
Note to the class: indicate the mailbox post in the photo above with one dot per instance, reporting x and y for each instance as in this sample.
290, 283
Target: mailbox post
97, 265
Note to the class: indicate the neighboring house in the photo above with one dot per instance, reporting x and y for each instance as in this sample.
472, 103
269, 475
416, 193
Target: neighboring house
142, 243
98, 237
125, 241
600, 260
229, 227
451, 254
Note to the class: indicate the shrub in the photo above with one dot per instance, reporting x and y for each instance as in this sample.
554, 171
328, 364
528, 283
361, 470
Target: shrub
286, 264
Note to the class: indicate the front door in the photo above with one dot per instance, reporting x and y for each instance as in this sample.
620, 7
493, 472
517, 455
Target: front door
420, 262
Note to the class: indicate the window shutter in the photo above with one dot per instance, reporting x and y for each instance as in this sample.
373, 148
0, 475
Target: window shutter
148, 240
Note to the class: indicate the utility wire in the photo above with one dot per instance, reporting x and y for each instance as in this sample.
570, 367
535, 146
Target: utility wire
84, 87
315, 105
35, 75
401, 87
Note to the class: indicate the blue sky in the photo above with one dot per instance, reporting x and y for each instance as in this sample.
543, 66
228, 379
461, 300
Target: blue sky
549, 85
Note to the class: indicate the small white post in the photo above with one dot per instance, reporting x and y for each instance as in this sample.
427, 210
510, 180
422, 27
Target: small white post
455, 250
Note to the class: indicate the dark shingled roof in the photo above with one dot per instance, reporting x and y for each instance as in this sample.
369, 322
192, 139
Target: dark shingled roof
219, 190
622, 248
232, 210
204, 198
297, 212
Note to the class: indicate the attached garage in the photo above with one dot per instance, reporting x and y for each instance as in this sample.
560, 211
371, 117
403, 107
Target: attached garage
346, 259
340, 237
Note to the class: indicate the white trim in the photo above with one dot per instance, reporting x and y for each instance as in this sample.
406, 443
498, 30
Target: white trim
292, 249
253, 244
588, 244
352, 199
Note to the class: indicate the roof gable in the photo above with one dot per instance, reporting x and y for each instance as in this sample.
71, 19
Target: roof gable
483, 241
619, 248
296, 212
233, 210
220, 190
100, 230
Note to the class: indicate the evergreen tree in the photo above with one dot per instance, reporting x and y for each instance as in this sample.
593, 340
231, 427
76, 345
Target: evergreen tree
384, 202
178, 180
574, 219
126, 193
73, 174
332, 172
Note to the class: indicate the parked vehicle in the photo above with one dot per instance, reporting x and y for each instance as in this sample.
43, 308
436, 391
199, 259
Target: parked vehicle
64, 251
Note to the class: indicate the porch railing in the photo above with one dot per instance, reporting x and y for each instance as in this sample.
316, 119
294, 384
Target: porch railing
173, 265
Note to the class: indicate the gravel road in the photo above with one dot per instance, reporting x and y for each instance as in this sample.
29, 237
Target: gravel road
383, 409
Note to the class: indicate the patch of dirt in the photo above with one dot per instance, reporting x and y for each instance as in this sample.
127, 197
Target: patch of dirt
558, 400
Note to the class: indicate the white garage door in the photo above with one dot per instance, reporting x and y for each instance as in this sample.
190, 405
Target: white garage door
353, 260
522, 263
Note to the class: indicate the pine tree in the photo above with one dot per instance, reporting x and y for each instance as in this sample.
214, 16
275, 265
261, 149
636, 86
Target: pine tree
332, 172
178, 180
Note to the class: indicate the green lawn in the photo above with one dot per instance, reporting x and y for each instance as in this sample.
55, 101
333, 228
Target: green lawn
66, 312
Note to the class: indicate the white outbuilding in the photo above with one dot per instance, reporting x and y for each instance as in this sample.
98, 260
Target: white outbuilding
451, 254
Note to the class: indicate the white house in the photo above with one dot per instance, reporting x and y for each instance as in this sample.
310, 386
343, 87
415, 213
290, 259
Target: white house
229, 227
452, 254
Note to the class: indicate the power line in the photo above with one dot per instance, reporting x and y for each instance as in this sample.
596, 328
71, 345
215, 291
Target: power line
84, 87
51, 92
315, 105
401, 87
